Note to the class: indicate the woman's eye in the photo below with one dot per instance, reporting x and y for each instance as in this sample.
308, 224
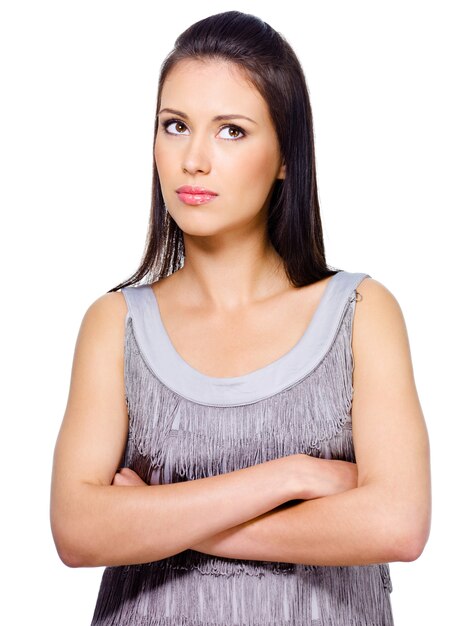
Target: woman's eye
169, 123
239, 133
232, 132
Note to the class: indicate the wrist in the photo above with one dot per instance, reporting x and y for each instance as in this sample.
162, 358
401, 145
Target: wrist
290, 477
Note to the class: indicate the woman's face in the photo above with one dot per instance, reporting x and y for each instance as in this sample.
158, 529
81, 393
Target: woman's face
237, 158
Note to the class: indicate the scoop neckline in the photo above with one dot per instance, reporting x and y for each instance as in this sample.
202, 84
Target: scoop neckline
234, 380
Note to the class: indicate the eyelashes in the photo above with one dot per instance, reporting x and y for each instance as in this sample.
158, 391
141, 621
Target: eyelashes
167, 123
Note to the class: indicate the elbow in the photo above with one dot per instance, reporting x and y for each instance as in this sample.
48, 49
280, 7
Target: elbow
68, 551
73, 556
70, 558
69, 544
408, 548
412, 540
76, 551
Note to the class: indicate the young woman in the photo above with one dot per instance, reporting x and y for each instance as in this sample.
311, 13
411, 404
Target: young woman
243, 442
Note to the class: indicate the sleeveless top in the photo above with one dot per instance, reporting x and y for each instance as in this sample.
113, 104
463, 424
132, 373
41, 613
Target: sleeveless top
185, 425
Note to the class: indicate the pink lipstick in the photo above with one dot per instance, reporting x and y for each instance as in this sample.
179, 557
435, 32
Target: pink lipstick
195, 195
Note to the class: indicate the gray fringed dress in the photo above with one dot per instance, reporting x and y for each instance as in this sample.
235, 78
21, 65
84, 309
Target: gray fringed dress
184, 425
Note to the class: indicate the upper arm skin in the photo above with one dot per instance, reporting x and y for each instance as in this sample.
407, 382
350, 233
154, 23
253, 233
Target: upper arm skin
93, 434
389, 432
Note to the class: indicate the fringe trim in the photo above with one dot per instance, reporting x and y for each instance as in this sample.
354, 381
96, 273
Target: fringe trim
153, 594
186, 440
354, 594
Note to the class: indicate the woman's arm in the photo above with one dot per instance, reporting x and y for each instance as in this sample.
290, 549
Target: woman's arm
388, 516
96, 523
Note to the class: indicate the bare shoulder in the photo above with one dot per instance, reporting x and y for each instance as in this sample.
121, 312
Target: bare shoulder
112, 304
377, 312
379, 336
376, 294
383, 377
102, 329
107, 313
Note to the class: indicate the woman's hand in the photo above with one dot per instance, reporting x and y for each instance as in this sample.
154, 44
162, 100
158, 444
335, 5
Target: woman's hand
126, 477
318, 477
324, 477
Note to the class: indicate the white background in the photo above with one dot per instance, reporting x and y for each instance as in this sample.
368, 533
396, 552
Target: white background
389, 91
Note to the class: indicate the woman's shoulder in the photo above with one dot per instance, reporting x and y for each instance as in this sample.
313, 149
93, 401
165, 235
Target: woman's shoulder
110, 303
378, 315
376, 291
105, 317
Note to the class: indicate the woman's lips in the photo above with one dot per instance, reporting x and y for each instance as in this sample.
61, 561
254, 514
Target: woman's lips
196, 198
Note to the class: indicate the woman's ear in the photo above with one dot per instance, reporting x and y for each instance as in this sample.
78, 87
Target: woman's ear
282, 171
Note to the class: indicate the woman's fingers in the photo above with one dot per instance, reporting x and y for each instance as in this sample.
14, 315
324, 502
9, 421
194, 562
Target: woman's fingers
126, 477
119, 480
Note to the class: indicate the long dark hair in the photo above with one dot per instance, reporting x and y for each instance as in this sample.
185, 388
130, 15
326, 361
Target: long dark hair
271, 66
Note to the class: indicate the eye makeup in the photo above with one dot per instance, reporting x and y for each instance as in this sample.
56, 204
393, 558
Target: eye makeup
166, 123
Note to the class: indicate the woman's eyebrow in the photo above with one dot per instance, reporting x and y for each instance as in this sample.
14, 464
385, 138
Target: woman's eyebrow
217, 118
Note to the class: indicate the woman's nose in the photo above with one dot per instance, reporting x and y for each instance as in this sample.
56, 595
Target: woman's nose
196, 156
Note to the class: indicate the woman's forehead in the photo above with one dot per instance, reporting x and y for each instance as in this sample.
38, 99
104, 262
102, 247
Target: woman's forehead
213, 87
